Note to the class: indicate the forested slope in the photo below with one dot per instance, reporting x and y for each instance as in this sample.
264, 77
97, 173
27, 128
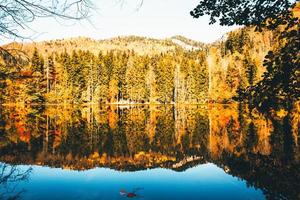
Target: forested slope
128, 69
236, 61
135, 69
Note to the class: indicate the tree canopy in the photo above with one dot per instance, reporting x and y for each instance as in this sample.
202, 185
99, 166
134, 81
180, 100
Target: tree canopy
280, 85
245, 12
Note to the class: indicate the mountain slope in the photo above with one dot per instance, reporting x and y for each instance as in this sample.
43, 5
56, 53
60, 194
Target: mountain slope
175, 69
141, 45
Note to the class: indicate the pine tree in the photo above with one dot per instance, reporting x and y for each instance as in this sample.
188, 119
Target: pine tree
37, 62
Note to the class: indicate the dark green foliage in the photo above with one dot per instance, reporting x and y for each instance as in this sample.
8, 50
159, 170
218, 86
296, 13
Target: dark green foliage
252, 137
244, 12
37, 62
251, 69
279, 87
125, 76
236, 41
232, 77
50, 73
164, 75
35, 91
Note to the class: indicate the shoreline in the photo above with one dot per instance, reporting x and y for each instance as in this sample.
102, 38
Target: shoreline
117, 104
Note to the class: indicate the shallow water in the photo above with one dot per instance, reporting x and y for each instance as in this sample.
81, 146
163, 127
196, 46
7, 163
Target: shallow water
150, 152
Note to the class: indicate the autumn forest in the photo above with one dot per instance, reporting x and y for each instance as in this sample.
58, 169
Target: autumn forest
151, 117
174, 74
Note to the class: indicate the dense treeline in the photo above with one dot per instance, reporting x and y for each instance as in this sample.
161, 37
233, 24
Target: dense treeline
213, 72
231, 68
236, 62
278, 86
109, 77
154, 132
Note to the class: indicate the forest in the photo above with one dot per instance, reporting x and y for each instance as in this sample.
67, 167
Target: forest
133, 103
133, 70
67, 72
109, 77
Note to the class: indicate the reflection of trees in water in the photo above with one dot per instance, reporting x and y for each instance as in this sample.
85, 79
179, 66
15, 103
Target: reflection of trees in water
262, 150
276, 172
282, 139
251, 137
125, 132
74, 135
10, 177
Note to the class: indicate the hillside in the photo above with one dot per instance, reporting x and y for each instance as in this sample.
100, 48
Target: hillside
186, 43
236, 62
124, 69
141, 45
136, 69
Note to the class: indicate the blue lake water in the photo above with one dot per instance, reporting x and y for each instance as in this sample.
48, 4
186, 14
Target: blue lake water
205, 181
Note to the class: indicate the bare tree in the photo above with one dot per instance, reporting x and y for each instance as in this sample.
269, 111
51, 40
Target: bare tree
16, 14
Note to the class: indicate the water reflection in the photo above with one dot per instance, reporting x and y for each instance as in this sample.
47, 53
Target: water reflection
262, 150
10, 177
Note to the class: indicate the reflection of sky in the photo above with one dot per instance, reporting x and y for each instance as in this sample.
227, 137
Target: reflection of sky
155, 18
202, 182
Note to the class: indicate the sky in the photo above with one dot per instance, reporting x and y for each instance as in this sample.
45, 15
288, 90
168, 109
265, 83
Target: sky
154, 18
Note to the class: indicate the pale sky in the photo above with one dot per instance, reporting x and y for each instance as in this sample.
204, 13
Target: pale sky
155, 18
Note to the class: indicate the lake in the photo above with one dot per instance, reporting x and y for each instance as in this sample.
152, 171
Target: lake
148, 152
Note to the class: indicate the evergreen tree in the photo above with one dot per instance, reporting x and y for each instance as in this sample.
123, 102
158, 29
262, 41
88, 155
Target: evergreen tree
37, 62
